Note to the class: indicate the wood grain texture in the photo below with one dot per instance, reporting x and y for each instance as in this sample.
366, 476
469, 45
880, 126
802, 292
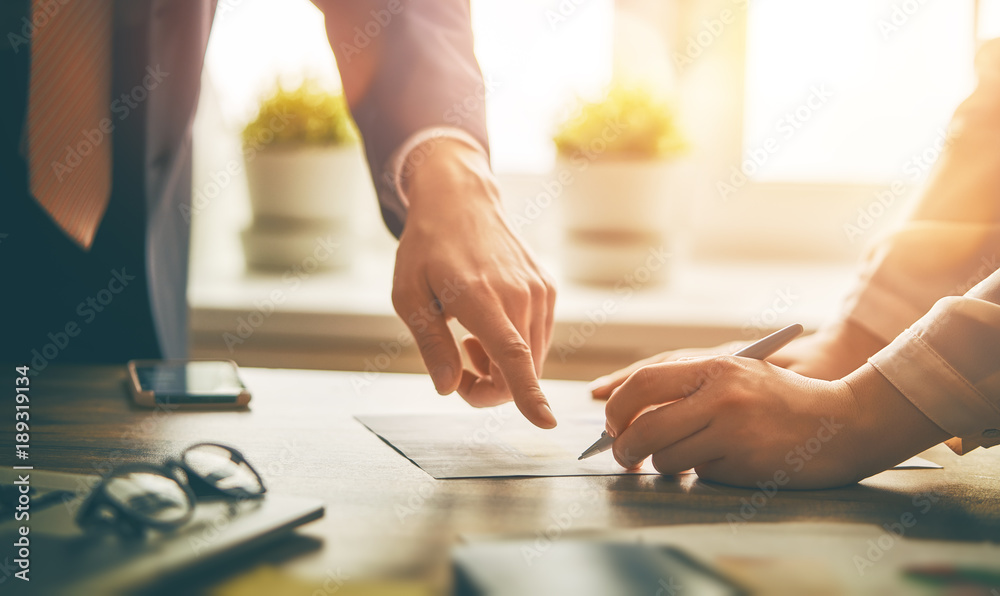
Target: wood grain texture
386, 518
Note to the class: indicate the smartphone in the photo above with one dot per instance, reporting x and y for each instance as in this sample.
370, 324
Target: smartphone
187, 384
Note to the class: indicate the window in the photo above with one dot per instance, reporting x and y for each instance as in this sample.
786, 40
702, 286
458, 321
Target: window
537, 55
821, 105
854, 90
254, 42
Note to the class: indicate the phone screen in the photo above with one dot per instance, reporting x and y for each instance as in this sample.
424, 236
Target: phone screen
191, 382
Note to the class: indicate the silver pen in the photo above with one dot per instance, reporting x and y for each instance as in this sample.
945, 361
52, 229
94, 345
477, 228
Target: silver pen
758, 350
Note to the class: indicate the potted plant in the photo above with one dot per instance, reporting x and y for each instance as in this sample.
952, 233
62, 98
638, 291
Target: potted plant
617, 156
304, 170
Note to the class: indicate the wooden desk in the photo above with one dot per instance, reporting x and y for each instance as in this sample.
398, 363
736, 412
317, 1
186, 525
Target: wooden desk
387, 518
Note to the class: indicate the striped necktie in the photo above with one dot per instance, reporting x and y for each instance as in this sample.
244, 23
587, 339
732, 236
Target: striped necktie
69, 130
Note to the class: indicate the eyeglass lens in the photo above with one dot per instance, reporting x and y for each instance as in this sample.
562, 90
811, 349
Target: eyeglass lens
150, 495
216, 466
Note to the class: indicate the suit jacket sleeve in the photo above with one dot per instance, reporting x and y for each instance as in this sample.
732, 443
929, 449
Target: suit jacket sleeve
407, 66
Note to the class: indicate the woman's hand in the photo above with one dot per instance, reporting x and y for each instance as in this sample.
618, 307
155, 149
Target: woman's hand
742, 422
830, 353
603, 387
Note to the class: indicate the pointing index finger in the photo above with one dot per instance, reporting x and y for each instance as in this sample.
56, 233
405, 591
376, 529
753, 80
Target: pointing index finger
512, 355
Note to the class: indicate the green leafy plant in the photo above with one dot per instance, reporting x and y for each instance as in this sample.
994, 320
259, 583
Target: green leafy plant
308, 115
628, 122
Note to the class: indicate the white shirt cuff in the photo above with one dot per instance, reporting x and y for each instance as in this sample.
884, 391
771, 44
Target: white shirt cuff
947, 392
410, 154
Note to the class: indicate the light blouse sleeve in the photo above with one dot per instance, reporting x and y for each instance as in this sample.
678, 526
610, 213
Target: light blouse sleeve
932, 288
948, 365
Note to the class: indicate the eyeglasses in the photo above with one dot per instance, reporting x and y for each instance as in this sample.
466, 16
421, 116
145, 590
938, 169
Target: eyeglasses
135, 497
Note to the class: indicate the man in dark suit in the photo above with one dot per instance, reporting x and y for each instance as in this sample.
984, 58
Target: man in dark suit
95, 150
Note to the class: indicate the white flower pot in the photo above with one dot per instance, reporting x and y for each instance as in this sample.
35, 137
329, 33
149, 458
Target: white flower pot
618, 218
301, 196
303, 182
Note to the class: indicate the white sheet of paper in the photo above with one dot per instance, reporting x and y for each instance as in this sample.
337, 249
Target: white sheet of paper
499, 442
916, 462
495, 442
